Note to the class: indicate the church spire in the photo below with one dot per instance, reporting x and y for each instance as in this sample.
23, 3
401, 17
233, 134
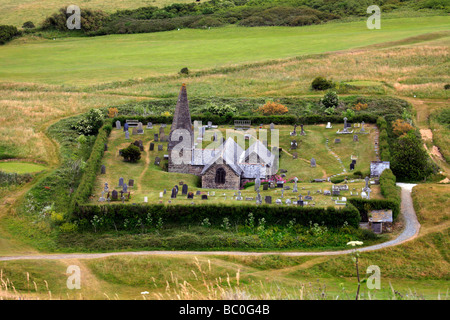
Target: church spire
181, 117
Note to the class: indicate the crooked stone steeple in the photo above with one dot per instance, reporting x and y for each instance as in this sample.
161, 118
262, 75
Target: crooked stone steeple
181, 117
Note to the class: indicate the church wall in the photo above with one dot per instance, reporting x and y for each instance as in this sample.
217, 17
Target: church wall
232, 180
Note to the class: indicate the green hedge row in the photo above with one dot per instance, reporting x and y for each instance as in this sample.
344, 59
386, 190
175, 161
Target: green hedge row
92, 167
256, 120
116, 215
385, 153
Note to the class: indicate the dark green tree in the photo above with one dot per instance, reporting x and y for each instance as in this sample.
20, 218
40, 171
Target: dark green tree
409, 160
131, 153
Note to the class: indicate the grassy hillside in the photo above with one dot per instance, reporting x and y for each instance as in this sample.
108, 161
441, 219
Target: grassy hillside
85, 61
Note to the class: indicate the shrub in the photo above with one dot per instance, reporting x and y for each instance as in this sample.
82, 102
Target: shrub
400, 127
320, 83
28, 25
91, 20
272, 108
184, 71
447, 86
113, 112
219, 110
330, 100
131, 154
90, 123
7, 33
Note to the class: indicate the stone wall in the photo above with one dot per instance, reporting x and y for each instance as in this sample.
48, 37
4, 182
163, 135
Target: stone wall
232, 180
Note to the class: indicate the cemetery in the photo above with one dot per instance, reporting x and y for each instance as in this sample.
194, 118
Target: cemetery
311, 171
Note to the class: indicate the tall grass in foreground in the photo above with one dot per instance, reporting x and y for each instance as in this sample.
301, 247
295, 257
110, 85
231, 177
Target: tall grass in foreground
203, 287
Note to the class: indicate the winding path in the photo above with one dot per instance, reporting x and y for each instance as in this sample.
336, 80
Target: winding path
410, 232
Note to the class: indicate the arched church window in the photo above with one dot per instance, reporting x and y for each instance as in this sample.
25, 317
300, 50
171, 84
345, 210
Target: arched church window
220, 176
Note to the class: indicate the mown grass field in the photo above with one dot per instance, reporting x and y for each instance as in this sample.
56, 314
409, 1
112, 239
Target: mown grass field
86, 61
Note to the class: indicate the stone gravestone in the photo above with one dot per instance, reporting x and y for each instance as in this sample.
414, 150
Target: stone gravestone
257, 183
106, 189
293, 144
336, 192
124, 188
184, 190
268, 199
114, 195
295, 189
131, 183
272, 126
337, 140
157, 161
294, 155
127, 135
120, 182
118, 126
345, 125
190, 195
103, 169
152, 146
355, 138
174, 193
160, 147
204, 197
266, 186
362, 127
329, 125
134, 132
149, 125
352, 166
141, 145
302, 133
155, 137
313, 163
294, 133
140, 129
125, 127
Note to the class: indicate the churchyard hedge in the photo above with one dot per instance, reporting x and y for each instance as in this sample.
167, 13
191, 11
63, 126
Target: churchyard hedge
122, 216
92, 167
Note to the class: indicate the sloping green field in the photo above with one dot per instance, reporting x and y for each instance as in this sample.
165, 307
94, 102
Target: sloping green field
85, 61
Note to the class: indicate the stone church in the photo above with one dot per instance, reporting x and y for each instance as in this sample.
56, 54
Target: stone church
221, 168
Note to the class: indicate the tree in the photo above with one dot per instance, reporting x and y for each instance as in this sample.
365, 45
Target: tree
320, 83
330, 100
409, 160
271, 108
131, 153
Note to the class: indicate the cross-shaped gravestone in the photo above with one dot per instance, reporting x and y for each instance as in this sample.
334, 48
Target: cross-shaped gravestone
302, 133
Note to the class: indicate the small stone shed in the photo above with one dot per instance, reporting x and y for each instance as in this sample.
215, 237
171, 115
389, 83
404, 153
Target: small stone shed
380, 221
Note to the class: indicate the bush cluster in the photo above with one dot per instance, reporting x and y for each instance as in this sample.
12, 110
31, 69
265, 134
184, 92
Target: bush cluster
7, 33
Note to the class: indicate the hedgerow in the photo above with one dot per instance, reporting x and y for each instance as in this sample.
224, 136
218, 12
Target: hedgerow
115, 216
